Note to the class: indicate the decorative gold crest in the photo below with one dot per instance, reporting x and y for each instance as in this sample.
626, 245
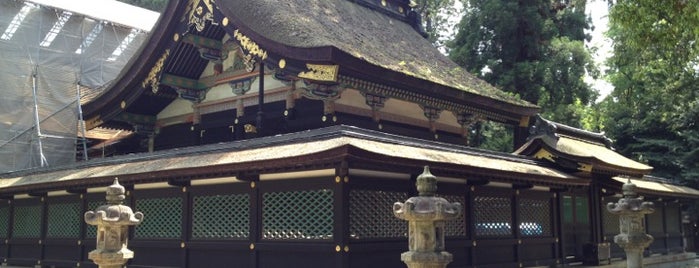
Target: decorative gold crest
200, 11
249, 46
320, 72
153, 75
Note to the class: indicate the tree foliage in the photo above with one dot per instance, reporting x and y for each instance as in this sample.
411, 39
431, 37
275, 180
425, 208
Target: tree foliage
533, 48
654, 108
437, 18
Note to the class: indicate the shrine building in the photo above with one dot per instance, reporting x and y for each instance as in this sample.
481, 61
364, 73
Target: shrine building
280, 133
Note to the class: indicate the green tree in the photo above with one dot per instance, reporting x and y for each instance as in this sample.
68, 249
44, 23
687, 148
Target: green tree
654, 108
534, 48
437, 19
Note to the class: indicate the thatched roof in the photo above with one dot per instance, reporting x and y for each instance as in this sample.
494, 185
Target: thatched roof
363, 33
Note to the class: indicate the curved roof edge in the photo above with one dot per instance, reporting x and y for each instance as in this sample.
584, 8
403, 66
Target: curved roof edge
579, 149
297, 150
127, 87
402, 57
646, 186
107, 104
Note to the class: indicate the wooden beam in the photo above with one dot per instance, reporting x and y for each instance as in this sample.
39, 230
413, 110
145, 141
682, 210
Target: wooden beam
200, 41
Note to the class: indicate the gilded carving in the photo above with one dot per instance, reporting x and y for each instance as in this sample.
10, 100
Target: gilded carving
153, 78
250, 46
249, 128
200, 11
320, 72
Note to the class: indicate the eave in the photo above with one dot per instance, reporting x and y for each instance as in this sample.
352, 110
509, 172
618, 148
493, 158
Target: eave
356, 67
126, 87
325, 148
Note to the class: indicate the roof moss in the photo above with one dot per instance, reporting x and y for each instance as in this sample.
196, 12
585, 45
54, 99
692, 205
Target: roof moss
365, 34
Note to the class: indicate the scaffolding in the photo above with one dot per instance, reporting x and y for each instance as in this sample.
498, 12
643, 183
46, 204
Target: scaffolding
54, 57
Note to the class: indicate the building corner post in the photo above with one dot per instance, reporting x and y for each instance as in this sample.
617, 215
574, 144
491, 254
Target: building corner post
426, 215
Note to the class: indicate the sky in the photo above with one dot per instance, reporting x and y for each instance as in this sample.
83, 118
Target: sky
597, 9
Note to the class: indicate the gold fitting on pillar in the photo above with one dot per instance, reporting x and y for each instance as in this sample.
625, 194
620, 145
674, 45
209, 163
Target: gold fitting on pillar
184, 189
338, 248
252, 184
346, 248
337, 179
346, 179
474, 243
252, 246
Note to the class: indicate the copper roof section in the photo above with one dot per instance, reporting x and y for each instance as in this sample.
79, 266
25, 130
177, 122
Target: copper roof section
578, 150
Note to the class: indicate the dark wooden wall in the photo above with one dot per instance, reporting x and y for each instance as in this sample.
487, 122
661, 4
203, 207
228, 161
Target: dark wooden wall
311, 222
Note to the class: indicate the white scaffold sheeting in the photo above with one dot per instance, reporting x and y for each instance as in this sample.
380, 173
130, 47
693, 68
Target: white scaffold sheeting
49, 55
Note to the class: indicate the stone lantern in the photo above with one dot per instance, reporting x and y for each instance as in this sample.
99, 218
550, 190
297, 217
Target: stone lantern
632, 238
112, 222
426, 215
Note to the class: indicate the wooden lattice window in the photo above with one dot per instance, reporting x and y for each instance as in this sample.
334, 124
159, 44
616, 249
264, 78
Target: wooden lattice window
91, 230
164, 218
535, 217
297, 215
27, 222
4, 220
371, 214
492, 213
456, 227
64, 220
221, 217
